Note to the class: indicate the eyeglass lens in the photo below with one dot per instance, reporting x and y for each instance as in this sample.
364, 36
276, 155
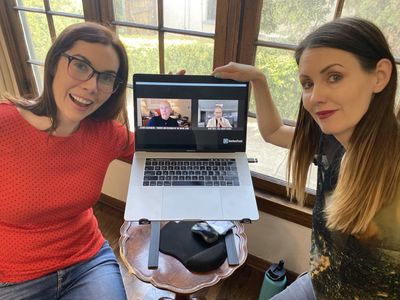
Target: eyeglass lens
80, 70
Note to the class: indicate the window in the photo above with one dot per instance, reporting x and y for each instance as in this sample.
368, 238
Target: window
163, 35
283, 24
41, 22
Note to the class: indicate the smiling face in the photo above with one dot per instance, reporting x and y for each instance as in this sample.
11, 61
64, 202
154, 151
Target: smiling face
76, 99
165, 110
337, 91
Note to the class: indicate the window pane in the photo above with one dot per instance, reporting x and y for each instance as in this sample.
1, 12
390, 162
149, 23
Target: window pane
137, 11
142, 48
385, 14
38, 73
195, 54
272, 160
36, 33
197, 15
67, 6
281, 70
60, 23
31, 3
290, 21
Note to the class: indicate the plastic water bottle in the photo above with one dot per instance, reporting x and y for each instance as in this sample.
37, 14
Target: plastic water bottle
274, 281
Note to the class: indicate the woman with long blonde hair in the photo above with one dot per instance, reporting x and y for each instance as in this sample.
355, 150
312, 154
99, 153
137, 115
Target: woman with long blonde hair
347, 125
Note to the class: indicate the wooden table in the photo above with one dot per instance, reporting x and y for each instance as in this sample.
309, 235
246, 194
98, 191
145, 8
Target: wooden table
171, 274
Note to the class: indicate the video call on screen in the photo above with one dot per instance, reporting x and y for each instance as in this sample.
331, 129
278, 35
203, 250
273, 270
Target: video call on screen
189, 113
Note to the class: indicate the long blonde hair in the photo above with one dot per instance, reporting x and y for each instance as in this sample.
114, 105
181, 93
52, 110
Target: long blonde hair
370, 171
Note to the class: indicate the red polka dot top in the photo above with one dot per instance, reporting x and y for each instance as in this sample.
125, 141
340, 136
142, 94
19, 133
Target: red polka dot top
48, 186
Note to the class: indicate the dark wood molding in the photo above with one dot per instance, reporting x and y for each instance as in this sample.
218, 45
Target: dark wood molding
15, 42
112, 202
91, 10
128, 161
249, 31
279, 187
50, 22
227, 27
107, 17
271, 196
282, 208
161, 35
338, 9
270, 184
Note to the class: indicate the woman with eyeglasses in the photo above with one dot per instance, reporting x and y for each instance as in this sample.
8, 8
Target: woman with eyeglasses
348, 127
55, 151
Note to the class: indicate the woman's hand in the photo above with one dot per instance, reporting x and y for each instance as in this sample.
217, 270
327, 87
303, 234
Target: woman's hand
238, 72
180, 71
269, 121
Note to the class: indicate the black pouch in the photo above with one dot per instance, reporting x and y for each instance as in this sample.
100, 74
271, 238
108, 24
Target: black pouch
177, 240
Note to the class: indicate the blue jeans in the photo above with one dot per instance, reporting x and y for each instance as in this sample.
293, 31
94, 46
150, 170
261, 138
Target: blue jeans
97, 278
300, 289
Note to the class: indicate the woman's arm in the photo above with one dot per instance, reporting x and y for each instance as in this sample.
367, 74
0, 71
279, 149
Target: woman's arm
269, 121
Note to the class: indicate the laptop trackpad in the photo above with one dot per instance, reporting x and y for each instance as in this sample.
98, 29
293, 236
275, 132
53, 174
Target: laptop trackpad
191, 203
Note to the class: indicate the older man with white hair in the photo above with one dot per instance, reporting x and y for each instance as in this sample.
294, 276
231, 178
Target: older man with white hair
164, 120
218, 120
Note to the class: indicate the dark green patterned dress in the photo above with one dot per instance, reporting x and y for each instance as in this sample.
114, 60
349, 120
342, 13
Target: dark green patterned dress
342, 266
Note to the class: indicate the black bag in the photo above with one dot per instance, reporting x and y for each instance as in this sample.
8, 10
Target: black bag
177, 240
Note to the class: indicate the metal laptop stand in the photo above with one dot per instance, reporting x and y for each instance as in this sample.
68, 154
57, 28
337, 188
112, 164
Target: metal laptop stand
154, 246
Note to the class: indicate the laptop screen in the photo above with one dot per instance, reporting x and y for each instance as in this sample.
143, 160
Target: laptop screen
189, 113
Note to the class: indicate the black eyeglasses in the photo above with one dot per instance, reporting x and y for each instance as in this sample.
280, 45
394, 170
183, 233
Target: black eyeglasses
83, 71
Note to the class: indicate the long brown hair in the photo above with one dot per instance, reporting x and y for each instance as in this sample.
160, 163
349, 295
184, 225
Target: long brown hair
370, 171
115, 106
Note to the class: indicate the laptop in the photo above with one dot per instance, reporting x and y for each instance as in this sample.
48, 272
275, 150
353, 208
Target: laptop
190, 141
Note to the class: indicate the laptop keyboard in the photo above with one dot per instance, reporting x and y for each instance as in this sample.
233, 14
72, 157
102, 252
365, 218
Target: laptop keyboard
190, 172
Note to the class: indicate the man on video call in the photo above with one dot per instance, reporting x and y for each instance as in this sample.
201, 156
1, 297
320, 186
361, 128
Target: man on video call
164, 120
218, 120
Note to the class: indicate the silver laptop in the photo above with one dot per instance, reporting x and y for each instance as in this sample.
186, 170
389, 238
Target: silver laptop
190, 141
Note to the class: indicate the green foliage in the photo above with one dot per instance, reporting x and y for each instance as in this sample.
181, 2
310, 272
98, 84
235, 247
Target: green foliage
289, 21
281, 70
68, 6
31, 3
60, 23
387, 19
37, 35
195, 55
143, 57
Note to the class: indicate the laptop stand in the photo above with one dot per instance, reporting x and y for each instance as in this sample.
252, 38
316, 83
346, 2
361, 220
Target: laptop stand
154, 246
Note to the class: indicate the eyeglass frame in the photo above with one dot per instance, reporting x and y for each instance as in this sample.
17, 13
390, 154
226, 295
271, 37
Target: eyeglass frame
70, 58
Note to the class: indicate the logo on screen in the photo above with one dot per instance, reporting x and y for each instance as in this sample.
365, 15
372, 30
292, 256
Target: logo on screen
226, 141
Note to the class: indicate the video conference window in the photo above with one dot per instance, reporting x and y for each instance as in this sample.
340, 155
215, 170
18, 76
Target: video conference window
165, 113
218, 114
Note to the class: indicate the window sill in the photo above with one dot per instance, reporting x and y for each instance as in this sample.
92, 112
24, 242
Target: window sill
280, 207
